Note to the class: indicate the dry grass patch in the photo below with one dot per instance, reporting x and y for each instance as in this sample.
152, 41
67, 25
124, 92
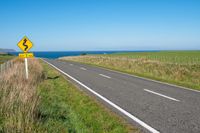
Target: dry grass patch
18, 97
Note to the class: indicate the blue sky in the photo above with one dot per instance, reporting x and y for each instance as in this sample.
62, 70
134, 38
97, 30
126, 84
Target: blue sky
62, 25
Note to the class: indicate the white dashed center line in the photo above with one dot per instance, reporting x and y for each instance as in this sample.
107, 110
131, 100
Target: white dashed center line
83, 68
104, 76
161, 95
71, 64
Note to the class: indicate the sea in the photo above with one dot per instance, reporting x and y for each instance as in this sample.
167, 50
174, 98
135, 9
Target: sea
57, 54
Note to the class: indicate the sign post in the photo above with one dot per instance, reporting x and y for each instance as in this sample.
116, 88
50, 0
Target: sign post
26, 67
25, 45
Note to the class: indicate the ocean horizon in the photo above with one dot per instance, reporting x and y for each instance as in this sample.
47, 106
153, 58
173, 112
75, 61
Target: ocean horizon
58, 54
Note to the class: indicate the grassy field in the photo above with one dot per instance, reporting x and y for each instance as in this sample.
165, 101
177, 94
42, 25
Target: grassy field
4, 58
175, 57
48, 103
176, 67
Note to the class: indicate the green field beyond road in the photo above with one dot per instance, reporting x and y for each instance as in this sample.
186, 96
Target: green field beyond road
176, 67
177, 57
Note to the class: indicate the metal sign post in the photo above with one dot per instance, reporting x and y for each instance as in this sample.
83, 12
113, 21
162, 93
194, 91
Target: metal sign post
26, 67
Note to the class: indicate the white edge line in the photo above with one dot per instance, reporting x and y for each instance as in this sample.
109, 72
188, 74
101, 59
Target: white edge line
182, 87
162, 95
83, 68
109, 102
104, 76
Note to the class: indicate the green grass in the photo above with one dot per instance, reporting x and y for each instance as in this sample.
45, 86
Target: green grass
64, 108
176, 67
4, 58
179, 57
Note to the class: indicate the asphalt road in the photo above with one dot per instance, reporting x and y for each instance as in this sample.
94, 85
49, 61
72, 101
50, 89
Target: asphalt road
153, 106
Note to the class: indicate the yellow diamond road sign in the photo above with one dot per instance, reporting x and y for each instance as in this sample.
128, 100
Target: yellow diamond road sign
25, 44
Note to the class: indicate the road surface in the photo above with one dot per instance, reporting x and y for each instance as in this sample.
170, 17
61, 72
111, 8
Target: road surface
153, 106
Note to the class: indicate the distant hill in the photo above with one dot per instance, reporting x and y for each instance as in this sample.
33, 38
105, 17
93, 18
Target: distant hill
4, 51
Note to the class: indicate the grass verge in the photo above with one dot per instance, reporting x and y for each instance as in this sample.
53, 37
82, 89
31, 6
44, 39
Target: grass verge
19, 98
64, 108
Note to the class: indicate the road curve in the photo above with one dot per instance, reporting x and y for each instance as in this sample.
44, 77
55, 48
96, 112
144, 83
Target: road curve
153, 106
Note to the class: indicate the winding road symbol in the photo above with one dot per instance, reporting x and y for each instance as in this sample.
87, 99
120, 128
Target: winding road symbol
24, 44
